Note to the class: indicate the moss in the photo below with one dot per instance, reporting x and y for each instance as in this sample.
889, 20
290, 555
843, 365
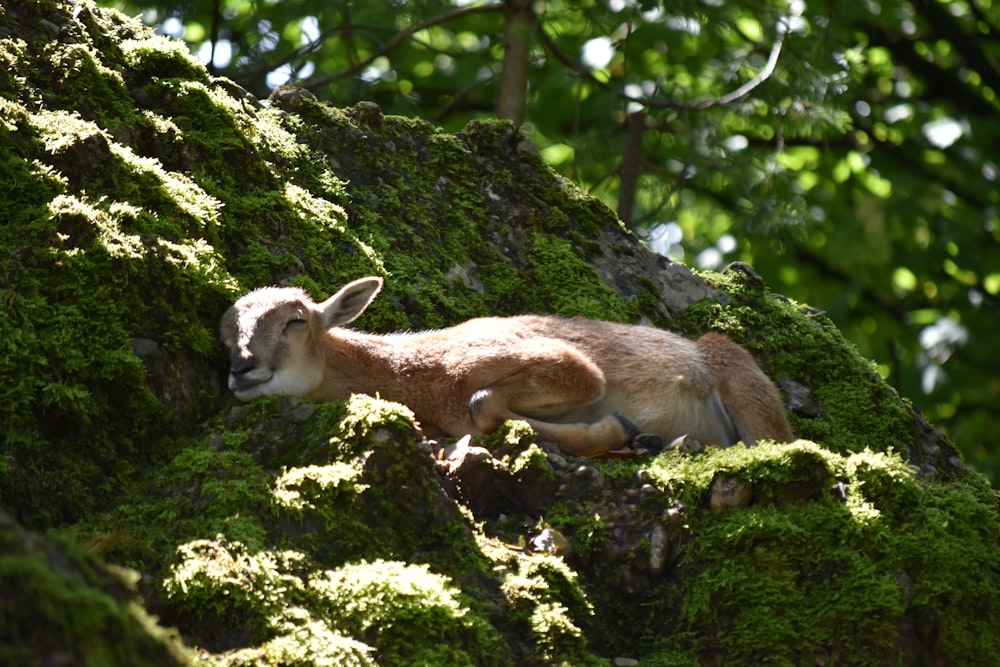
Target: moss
543, 596
528, 459
142, 195
408, 614
154, 56
367, 417
826, 538
300, 489
100, 243
361, 488
61, 605
229, 592
560, 273
306, 642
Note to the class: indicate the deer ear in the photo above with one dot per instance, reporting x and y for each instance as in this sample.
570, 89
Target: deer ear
349, 302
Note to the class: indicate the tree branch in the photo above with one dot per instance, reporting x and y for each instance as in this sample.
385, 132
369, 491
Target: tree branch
967, 45
651, 103
401, 37
214, 35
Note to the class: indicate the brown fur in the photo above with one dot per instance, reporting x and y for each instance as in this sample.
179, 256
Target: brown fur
588, 386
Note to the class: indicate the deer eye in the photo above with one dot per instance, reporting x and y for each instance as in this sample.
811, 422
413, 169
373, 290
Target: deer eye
292, 325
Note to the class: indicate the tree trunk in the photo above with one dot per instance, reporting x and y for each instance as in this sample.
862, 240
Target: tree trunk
631, 162
513, 86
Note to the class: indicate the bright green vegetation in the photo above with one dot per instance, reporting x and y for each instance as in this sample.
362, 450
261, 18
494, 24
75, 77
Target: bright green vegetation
61, 604
829, 538
141, 196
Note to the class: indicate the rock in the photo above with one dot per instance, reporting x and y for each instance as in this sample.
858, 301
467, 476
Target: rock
729, 492
60, 605
657, 550
474, 471
799, 399
551, 541
144, 348
676, 513
288, 98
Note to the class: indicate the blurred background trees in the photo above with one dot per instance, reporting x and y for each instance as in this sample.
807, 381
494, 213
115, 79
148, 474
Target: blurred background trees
848, 150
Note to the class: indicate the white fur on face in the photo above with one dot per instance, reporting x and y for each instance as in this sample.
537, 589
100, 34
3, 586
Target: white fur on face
282, 363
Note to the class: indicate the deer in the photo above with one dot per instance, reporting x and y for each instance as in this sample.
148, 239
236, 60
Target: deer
590, 387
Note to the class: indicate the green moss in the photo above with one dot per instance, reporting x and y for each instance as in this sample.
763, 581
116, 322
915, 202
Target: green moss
408, 614
527, 459
60, 604
232, 592
543, 596
155, 56
100, 242
367, 417
306, 642
815, 571
300, 489
560, 273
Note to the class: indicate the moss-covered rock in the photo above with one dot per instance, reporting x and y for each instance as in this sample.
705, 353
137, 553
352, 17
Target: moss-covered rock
142, 195
63, 606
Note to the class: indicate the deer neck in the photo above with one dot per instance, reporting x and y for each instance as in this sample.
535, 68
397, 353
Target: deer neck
360, 363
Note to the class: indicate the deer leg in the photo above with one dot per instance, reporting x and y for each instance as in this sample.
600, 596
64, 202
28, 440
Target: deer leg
557, 381
584, 439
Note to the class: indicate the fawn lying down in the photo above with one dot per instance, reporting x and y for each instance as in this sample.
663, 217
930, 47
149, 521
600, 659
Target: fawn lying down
588, 386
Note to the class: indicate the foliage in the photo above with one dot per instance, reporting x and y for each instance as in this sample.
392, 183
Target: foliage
841, 149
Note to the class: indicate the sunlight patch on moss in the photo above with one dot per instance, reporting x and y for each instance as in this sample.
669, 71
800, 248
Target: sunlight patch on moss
153, 51
316, 212
366, 415
304, 641
289, 492
60, 130
408, 613
224, 576
543, 595
827, 537
180, 189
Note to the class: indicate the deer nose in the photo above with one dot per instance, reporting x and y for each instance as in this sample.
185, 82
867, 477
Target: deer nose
245, 374
240, 370
240, 367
